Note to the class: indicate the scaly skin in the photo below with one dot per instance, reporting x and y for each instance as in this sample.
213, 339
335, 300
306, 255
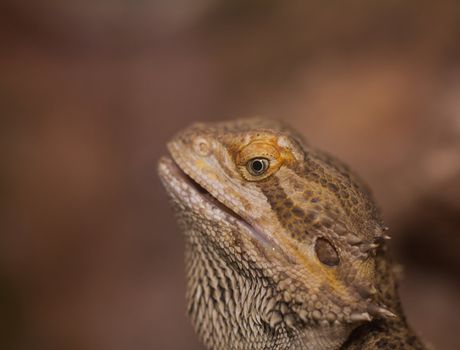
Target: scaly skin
284, 246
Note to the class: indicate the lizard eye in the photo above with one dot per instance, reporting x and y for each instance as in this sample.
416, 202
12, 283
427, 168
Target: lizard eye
258, 160
257, 166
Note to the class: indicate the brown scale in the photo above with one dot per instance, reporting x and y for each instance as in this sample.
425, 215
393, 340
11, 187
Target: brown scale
357, 204
290, 216
305, 225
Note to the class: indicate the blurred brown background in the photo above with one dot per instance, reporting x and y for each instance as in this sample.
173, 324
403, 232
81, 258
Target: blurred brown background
90, 257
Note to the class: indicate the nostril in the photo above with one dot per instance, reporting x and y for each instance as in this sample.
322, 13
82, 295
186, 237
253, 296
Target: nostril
201, 146
326, 252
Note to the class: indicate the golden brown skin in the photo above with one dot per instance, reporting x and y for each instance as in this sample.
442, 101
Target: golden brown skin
284, 246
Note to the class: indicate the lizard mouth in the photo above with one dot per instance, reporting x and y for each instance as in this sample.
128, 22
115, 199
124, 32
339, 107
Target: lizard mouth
203, 191
176, 171
185, 187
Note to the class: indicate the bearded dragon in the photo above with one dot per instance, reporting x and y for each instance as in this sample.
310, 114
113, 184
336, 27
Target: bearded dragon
284, 246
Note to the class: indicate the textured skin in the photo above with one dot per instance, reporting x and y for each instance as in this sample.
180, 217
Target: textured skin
293, 258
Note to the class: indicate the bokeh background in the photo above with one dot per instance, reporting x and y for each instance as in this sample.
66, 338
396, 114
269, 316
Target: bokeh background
90, 91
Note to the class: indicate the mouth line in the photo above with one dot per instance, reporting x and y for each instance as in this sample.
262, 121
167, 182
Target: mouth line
253, 231
205, 194
208, 195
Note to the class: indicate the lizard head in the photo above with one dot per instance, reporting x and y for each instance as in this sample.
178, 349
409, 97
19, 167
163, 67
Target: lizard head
253, 195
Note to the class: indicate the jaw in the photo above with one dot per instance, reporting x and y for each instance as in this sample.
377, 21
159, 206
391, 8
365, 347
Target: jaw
277, 254
193, 196
200, 182
244, 203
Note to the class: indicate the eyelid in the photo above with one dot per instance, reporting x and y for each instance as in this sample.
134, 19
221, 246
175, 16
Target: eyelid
258, 150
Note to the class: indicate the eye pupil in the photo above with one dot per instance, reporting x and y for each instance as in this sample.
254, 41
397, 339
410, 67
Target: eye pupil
258, 166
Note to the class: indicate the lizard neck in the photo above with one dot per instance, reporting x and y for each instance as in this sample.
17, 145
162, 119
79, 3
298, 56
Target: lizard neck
232, 305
